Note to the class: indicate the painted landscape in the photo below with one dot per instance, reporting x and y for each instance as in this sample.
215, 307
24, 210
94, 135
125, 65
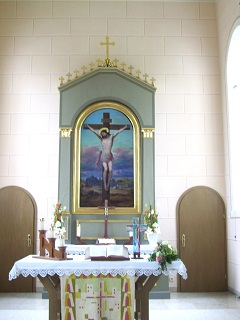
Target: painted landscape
121, 192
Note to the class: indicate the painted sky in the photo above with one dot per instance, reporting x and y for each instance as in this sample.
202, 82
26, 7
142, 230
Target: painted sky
122, 149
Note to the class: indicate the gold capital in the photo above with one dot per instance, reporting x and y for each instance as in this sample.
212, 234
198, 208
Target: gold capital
147, 132
65, 132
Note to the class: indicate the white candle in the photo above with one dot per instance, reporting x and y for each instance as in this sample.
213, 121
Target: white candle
78, 230
41, 226
61, 242
51, 233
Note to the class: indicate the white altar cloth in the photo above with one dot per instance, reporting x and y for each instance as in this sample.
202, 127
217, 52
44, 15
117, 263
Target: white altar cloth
50, 272
78, 266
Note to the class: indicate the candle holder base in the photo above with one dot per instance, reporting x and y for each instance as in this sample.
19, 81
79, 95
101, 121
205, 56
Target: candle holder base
136, 255
80, 241
49, 246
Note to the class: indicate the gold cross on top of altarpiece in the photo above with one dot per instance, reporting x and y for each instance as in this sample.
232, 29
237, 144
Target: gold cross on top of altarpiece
107, 44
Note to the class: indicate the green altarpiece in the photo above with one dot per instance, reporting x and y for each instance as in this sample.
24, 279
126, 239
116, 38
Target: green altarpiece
112, 87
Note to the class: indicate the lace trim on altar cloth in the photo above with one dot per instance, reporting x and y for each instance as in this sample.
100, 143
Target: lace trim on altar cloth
31, 267
61, 272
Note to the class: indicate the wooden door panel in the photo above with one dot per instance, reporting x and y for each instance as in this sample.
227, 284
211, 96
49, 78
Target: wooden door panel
201, 218
18, 219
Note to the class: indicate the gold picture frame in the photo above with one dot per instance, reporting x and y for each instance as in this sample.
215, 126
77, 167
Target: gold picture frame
77, 173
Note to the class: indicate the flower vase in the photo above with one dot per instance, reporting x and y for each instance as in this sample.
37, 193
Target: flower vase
152, 237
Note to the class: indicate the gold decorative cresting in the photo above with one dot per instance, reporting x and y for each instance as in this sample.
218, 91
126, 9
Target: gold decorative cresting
148, 132
107, 63
65, 132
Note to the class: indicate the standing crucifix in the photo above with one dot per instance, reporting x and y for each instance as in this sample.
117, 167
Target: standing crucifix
105, 156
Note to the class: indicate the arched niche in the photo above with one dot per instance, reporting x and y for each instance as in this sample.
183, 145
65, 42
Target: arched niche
136, 99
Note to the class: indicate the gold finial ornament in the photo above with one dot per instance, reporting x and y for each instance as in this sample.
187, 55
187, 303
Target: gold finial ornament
107, 62
153, 81
84, 68
99, 61
107, 44
116, 62
61, 80
131, 69
138, 73
123, 64
145, 77
91, 65
76, 73
69, 76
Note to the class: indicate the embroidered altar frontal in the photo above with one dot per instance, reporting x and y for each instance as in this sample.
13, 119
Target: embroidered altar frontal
97, 297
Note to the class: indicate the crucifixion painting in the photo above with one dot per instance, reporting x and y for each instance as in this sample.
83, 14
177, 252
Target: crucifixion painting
107, 159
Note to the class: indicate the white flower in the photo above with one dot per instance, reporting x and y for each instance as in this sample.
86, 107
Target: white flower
149, 230
165, 242
155, 225
58, 224
60, 231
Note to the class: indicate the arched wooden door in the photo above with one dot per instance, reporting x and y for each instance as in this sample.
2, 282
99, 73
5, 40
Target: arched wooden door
18, 212
202, 240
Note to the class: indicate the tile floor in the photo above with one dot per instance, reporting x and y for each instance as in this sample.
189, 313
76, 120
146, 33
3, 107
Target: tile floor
181, 306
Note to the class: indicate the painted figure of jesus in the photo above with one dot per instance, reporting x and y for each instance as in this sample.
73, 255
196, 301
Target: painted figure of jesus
106, 156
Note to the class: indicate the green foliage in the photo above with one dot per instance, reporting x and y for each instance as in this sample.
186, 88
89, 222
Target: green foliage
164, 253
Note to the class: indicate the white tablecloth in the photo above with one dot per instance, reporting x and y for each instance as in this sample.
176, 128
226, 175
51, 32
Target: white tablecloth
78, 265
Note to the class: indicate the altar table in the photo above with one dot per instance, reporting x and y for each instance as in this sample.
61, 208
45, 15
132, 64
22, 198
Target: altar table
49, 272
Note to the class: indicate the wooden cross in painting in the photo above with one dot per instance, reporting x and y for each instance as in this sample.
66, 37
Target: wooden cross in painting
105, 156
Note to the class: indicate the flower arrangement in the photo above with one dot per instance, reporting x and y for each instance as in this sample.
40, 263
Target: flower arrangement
164, 253
151, 219
58, 223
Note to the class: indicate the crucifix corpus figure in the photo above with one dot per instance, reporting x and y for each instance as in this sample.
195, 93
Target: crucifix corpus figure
106, 156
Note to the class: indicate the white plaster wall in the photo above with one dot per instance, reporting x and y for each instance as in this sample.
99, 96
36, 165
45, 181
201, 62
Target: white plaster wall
228, 12
174, 42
